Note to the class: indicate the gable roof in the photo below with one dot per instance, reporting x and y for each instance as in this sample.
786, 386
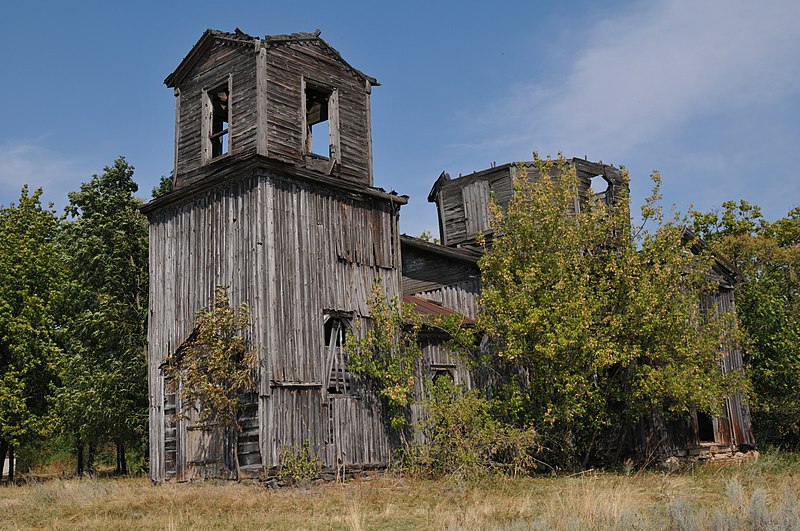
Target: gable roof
240, 38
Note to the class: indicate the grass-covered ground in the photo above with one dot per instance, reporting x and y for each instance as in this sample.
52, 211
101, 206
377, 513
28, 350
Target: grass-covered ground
760, 495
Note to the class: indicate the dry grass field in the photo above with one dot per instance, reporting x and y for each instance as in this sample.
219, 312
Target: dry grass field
759, 495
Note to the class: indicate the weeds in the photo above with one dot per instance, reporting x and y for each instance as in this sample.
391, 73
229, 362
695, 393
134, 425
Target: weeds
747, 496
464, 440
298, 465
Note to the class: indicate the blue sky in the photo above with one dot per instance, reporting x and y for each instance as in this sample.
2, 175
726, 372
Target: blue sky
707, 92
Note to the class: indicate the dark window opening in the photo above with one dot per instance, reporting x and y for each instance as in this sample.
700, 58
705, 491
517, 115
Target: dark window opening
705, 427
339, 378
444, 372
318, 124
219, 132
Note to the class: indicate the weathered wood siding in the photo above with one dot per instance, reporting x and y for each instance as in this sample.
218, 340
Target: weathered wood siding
435, 361
290, 251
461, 297
266, 102
223, 59
473, 189
733, 426
463, 203
287, 64
446, 276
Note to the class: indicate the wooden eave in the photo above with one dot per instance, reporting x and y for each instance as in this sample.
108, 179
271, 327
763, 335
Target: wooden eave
443, 178
441, 250
611, 173
722, 265
304, 37
464, 180
251, 165
204, 44
239, 38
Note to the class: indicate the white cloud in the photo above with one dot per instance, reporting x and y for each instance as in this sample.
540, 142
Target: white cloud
649, 71
29, 162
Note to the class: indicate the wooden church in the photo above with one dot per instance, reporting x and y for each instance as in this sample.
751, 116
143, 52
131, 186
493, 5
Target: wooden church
272, 197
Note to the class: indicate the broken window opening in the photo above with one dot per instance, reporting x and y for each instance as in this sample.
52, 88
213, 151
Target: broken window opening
600, 186
335, 328
218, 122
705, 428
444, 372
320, 121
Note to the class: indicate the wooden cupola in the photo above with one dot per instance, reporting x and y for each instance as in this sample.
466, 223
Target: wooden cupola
289, 98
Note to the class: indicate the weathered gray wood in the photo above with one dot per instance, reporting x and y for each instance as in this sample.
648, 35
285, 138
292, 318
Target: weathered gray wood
299, 249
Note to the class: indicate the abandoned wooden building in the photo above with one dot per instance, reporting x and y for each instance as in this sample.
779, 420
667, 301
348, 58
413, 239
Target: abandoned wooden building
274, 198
463, 208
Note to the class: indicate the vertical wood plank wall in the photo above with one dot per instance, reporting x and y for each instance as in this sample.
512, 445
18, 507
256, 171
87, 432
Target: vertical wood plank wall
287, 64
222, 60
290, 251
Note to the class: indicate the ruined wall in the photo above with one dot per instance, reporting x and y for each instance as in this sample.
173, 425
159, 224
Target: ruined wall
291, 250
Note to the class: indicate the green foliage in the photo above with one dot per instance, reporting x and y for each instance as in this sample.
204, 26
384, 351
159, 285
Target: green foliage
428, 237
102, 393
387, 350
768, 308
298, 464
31, 276
464, 438
165, 186
597, 327
215, 366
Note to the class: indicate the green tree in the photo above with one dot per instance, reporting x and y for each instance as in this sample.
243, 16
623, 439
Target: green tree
215, 366
103, 380
30, 280
596, 328
768, 308
165, 186
385, 351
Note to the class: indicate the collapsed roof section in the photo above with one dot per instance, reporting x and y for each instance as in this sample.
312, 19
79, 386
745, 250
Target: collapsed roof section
463, 202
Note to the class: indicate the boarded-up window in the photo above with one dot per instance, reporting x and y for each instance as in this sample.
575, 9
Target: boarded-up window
476, 207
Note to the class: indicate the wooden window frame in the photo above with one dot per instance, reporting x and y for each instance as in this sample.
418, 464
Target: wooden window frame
334, 148
334, 354
208, 135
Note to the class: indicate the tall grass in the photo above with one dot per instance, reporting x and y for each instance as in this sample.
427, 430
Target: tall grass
760, 495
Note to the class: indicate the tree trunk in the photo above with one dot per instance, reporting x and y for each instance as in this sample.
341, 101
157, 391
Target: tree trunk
122, 464
10, 465
79, 452
90, 458
3, 452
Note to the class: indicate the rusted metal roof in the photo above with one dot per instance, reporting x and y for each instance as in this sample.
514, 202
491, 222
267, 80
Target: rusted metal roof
427, 307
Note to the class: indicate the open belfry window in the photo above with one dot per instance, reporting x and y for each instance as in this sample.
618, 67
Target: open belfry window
321, 121
336, 325
216, 125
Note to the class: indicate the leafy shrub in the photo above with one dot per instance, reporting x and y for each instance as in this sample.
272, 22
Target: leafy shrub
462, 437
298, 465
